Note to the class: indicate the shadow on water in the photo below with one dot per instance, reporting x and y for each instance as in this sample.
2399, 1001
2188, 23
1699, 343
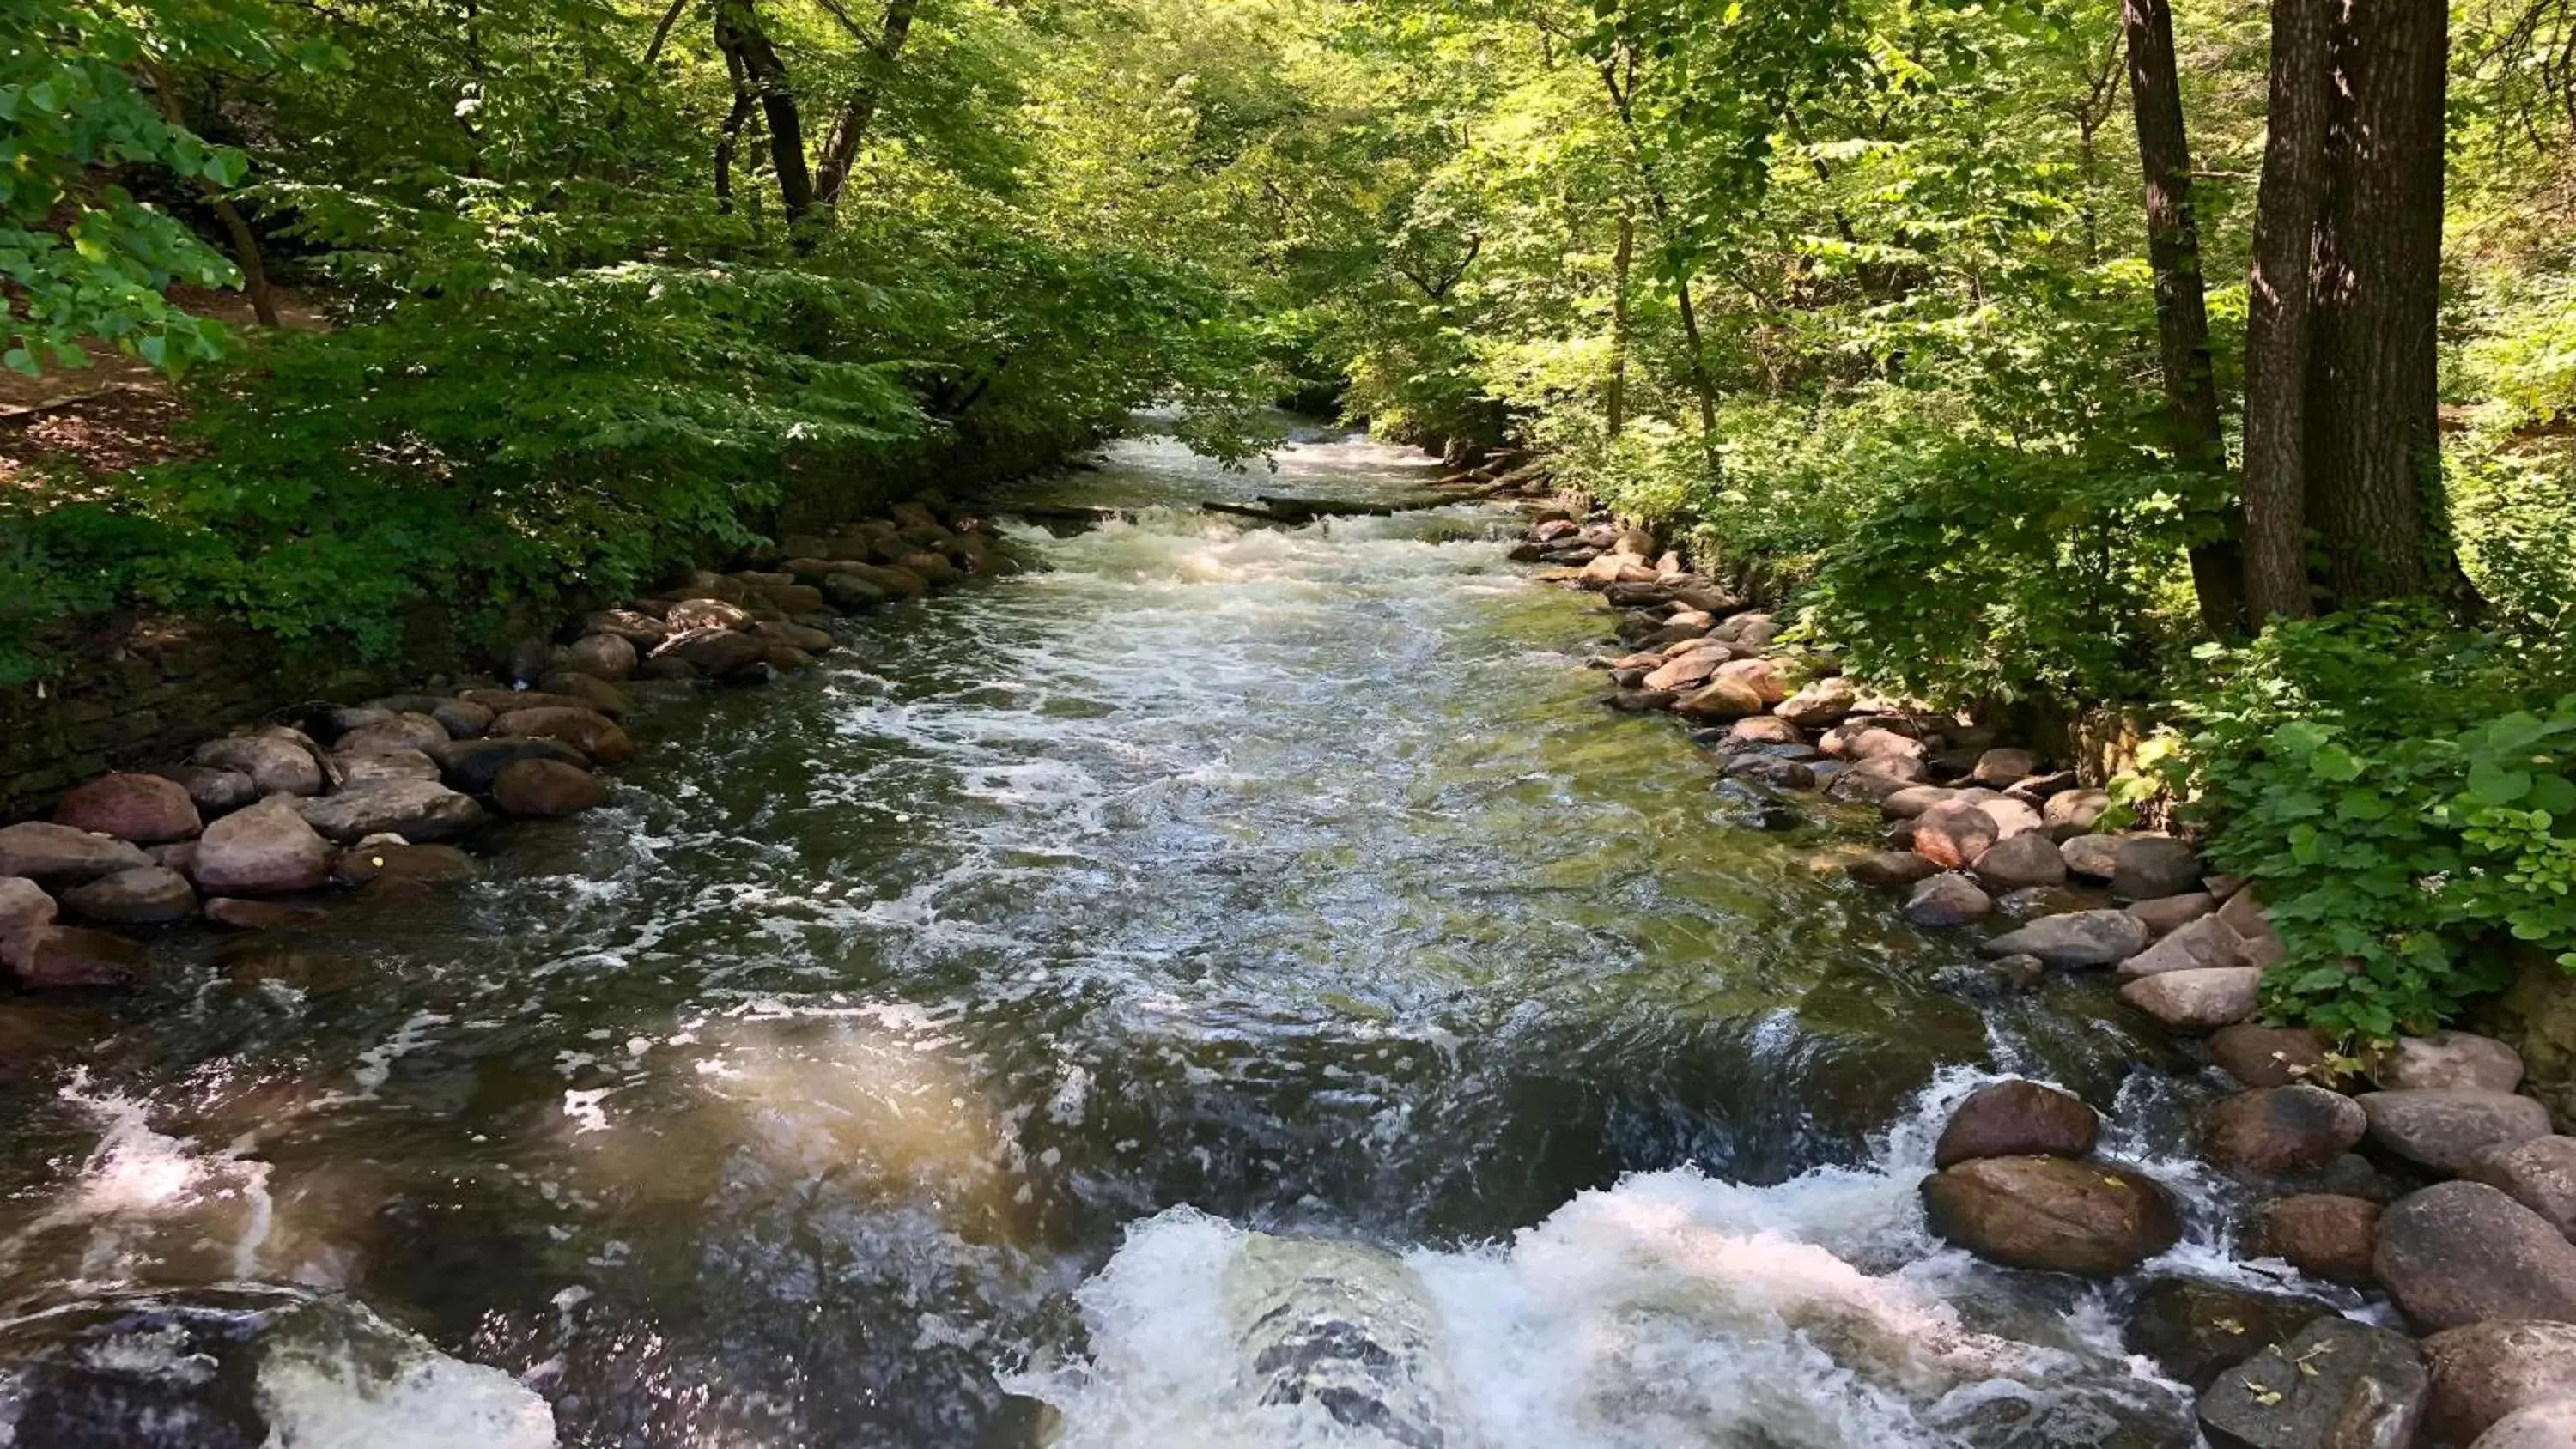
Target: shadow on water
858, 1058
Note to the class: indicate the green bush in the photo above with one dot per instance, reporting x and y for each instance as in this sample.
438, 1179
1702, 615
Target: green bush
2404, 796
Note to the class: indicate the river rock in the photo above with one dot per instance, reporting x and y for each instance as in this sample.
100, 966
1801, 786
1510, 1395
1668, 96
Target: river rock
505, 701
2078, 938
1819, 703
2462, 1252
246, 915
2052, 1213
144, 809
2196, 1330
2542, 1426
461, 718
1720, 699
58, 855
473, 765
1889, 869
1762, 676
145, 896
413, 809
384, 765
2483, 1371
588, 731
2271, 1056
2074, 812
2018, 862
428, 864
1953, 834
1767, 770
274, 764
546, 788
1871, 740
714, 653
692, 614
2322, 1234
23, 904
1911, 802
1990, 980
2202, 945
2094, 857
1876, 779
53, 958
2446, 1059
2017, 1119
1763, 729
213, 791
1683, 671
1948, 899
642, 631
2445, 1128
597, 694
2539, 1173
2338, 1385
2197, 1001
2282, 1131
267, 849
416, 732
2005, 766
2169, 913
2148, 866
610, 657
896, 583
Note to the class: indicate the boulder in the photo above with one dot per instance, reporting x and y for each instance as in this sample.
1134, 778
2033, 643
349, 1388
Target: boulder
2446, 1059
144, 809
146, 896
1766, 770
1953, 834
1720, 699
473, 765
891, 583
693, 614
505, 701
2011, 816
1871, 741
1688, 670
2078, 938
1820, 702
417, 732
2483, 1371
603, 656
2073, 812
2019, 861
2271, 1056
1948, 899
267, 849
412, 809
384, 765
1911, 802
213, 791
642, 631
244, 915
2168, 913
2445, 1128
2197, 1001
585, 730
2017, 1119
597, 694
274, 765
545, 788
713, 653
2000, 767
2542, 1426
2094, 857
24, 904
2462, 1252
58, 855
1889, 869
2322, 1234
2052, 1213
1763, 729
1762, 676
1877, 779
462, 718
54, 958
2148, 866
2282, 1131
2537, 1172
2338, 1385
2202, 945
2195, 1330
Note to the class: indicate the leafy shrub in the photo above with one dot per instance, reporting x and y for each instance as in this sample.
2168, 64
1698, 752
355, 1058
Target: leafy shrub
2404, 795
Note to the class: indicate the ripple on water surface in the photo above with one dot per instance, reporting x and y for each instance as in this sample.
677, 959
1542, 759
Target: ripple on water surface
1209, 950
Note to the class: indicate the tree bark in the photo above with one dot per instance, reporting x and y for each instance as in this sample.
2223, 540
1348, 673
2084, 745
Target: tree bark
2182, 304
841, 147
1676, 261
246, 254
2278, 328
2374, 459
1615, 405
739, 34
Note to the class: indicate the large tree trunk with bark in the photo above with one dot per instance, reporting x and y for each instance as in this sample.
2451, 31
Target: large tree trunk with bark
739, 35
841, 147
2277, 331
2182, 302
1615, 405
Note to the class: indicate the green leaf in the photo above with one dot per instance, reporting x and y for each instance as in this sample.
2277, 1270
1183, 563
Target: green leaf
2333, 762
2490, 784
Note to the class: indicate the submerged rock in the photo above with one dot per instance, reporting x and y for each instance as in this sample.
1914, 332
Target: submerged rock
1948, 899
1889, 869
2052, 1213
147, 895
50, 958
546, 788
2195, 1330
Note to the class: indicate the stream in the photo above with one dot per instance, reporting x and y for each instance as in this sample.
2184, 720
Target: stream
1230, 986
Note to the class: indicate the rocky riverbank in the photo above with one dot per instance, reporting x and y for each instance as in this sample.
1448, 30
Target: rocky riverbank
274, 826
2420, 1175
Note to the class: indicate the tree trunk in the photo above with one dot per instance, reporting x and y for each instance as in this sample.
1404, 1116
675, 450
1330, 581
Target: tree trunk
1621, 260
739, 34
841, 148
2374, 460
2182, 305
2278, 327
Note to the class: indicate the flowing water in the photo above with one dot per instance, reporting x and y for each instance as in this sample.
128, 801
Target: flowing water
1231, 986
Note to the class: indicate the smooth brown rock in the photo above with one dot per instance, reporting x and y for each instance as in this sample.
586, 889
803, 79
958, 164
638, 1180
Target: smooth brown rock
144, 809
213, 791
1762, 676
546, 788
506, 701
1953, 834
1819, 702
2074, 812
23, 904
472, 765
2271, 1056
1763, 729
585, 730
274, 764
414, 809
2202, 945
2445, 1128
1889, 869
2462, 1252
2485, 1371
2149, 866
145, 896
2017, 1119
58, 855
1720, 699
2282, 1131
1948, 899
2446, 1059
2197, 1001
2075, 939
1998, 768
2166, 913
57, 958
419, 733
714, 653
608, 656
2542, 1426
2052, 1213
1910, 802
2537, 1172
267, 849
384, 765
2324, 1235
2095, 857
2019, 861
